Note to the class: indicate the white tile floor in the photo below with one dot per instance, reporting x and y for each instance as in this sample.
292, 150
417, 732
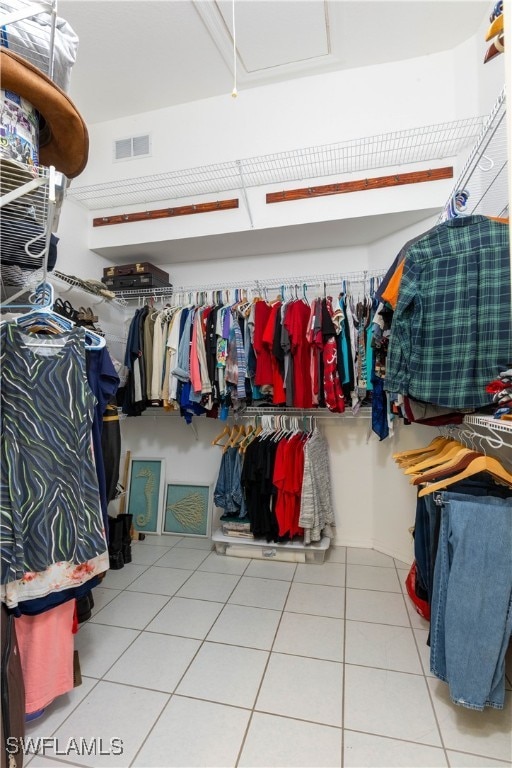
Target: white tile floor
198, 659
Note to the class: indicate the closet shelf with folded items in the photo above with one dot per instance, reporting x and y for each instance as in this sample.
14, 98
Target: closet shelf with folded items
274, 488
462, 545
28, 246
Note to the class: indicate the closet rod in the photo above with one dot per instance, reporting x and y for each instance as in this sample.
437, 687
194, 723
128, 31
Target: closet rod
316, 413
332, 278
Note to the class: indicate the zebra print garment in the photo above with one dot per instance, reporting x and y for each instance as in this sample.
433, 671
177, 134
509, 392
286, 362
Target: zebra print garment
49, 500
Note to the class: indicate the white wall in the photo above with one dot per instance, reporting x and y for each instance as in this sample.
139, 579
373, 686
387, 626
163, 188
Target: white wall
74, 256
299, 113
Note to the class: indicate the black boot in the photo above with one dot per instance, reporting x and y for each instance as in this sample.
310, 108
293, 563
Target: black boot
115, 543
83, 607
127, 538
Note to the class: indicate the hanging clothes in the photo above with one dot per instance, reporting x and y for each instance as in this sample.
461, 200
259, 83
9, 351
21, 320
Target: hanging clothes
452, 328
316, 516
52, 531
46, 675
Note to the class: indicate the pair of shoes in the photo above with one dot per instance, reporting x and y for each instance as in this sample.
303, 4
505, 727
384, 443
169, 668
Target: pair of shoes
120, 541
84, 606
127, 537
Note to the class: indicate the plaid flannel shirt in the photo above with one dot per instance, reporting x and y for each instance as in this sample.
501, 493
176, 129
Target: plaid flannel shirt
451, 331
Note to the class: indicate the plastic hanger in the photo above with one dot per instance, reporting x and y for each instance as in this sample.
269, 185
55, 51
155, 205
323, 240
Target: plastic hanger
480, 464
45, 317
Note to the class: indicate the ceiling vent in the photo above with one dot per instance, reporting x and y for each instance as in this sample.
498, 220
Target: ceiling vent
129, 149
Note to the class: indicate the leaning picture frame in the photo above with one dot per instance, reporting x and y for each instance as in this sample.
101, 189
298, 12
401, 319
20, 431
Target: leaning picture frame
146, 480
187, 509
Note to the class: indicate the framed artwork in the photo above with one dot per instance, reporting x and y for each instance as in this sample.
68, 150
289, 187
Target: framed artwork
187, 509
146, 479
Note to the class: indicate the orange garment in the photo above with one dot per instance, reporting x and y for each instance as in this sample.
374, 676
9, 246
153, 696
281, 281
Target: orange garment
45, 642
390, 294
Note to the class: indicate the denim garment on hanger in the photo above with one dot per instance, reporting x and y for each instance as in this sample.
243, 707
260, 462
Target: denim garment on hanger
471, 617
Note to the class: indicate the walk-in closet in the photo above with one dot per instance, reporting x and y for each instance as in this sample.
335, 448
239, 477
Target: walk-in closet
256, 384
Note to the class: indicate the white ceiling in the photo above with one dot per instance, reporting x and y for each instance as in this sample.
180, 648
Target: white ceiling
140, 55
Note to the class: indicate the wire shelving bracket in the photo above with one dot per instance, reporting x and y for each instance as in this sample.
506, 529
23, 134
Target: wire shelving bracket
484, 176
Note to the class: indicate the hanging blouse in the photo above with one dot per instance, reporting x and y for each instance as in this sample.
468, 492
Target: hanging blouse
50, 513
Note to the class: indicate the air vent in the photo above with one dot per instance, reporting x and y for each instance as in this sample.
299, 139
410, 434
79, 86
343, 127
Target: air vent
136, 146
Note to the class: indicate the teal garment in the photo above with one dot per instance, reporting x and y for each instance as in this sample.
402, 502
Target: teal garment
257, 394
369, 358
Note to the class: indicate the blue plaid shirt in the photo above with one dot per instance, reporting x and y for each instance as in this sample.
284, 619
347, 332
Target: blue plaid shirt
451, 331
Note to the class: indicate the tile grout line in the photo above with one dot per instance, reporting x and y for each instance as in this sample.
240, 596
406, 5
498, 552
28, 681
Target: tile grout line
201, 644
405, 597
242, 745
342, 762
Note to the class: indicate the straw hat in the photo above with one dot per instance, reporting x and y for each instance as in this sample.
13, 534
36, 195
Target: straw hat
63, 137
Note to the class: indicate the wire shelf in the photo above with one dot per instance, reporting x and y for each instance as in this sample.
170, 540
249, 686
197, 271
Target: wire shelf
332, 278
32, 40
488, 422
484, 175
412, 145
77, 283
126, 294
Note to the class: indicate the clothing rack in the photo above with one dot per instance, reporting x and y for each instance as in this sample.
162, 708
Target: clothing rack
313, 413
302, 282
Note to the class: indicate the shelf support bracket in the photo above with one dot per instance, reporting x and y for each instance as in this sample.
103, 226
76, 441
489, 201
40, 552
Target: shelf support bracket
244, 192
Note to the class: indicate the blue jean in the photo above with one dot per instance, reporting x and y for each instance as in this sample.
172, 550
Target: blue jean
228, 493
471, 611
426, 524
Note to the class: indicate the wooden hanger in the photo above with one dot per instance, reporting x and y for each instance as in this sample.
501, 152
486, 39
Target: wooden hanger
246, 440
411, 461
237, 432
417, 451
434, 459
480, 464
250, 438
225, 431
459, 462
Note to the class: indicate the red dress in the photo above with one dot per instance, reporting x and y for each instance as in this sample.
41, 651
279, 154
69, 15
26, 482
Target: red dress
279, 396
296, 322
288, 475
264, 375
